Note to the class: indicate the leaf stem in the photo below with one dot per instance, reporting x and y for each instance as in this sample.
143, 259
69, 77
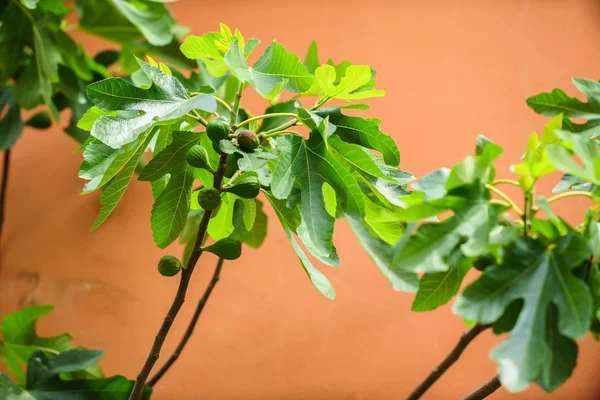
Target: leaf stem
223, 103
506, 181
505, 197
236, 105
450, 359
280, 128
263, 116
485, 390
4, 187
179, 299
198, 118
574, 193
281, 133
190, 329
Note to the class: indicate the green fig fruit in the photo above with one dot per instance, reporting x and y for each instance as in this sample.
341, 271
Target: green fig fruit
484, 261
217, 130
248, 140
169, 266
198, 157
209, 198
228, 249
246, 186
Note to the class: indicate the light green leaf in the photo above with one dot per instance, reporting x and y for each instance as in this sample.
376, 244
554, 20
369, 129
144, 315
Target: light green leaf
319, 281
163, 103
382, 253
349, 86
275, 69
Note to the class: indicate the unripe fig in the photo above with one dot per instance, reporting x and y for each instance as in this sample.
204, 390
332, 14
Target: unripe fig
246, 186
169, 266
227, 248
217, 130
209, 198
248, 140
484, 261
198, 157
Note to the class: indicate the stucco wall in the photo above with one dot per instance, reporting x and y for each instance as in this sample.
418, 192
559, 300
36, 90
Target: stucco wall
451, 69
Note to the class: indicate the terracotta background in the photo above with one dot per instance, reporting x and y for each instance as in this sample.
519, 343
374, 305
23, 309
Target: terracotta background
452, 70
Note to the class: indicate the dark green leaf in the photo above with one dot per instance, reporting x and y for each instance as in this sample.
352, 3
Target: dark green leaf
11, 125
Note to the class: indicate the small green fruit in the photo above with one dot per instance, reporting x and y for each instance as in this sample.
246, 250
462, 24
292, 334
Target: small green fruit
209, 198
248, 140
246, 186
228, 249
198, 157
217, 130
484, 261
169, 266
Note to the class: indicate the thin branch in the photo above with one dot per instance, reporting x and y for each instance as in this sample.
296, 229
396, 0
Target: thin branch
574, 193
236, 105
507, 181
263, 116
4, 187
223, 103
191, 326
505, 197
280, 127
179, 299
450, 359
485, 390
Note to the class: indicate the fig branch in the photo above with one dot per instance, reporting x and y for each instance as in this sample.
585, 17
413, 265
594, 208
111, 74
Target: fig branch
575, 193
190, 329
506, 198
179, 299
450, 359
485, 390
4, 187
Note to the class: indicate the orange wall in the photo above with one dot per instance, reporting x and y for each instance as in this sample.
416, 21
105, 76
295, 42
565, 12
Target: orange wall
452, 70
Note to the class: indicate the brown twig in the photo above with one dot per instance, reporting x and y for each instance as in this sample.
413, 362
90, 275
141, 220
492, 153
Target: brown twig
484, 390
3, 187
450, 359
191, 326
179, 299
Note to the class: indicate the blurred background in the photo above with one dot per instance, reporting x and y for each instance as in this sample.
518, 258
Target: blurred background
451, 69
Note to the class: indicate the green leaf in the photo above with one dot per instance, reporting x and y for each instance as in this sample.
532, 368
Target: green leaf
20, 340
47, 59
312, 165
11, 125
587, 151
363, 132
221, 224
319, 281
171, 207
102, 163
15, 33
212, 47
249, 160
163, 103
541, 276
557, 102
439, 288
349, 87
40, 120
382, 253
474, 219
228, 248
275, 70
129, 20
116, 187
255, 236
311, 61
